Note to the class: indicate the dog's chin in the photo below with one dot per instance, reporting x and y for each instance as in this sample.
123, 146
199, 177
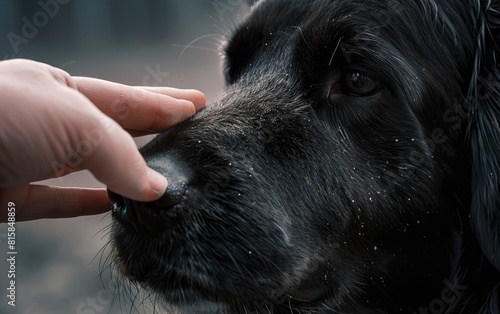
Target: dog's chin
174, 287
183, 268
194, 296
191, 293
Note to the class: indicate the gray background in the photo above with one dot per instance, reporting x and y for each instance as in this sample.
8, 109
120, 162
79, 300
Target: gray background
126, 41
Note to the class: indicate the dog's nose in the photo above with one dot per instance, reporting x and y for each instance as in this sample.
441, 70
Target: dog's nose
149, 217
144, 217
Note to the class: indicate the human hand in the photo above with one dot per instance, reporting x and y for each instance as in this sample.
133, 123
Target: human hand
53, 124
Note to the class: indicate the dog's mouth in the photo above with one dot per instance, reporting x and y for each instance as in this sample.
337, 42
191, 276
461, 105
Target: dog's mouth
153, 257
178, 288
174, 248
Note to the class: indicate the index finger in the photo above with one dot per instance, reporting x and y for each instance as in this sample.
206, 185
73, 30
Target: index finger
40, 201
135, 108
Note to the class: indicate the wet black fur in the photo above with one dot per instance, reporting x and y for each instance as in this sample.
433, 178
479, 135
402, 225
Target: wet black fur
292, 195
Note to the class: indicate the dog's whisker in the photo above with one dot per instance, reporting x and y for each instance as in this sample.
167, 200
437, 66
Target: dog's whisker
283, 231
196, 48
334, 52
191, 44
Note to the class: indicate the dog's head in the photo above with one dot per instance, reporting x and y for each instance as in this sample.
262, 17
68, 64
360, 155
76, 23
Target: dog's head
351, 146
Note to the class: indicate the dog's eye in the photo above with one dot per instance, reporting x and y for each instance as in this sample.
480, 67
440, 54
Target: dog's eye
360, 84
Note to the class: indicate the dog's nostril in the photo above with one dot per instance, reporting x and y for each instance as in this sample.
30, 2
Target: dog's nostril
119, 209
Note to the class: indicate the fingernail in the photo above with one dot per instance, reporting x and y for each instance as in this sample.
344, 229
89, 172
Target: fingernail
200, 101
158, 182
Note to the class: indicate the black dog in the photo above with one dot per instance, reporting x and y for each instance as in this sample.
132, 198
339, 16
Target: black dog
352, 166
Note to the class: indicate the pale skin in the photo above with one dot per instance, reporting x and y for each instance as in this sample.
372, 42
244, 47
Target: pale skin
52, 124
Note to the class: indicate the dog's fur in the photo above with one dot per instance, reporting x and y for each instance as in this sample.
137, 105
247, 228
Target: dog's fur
351, 166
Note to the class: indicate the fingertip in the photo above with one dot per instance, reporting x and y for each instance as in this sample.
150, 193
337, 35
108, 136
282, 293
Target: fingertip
119, 165
190, 107
178, 111
150, 189
198, 99
157, 182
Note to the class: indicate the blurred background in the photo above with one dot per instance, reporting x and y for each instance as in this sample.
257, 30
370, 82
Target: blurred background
149, 42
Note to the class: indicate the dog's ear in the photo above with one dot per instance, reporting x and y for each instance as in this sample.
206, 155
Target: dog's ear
484, 131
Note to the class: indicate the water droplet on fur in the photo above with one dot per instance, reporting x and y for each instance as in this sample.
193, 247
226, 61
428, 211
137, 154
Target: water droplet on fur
249, 252
375, 248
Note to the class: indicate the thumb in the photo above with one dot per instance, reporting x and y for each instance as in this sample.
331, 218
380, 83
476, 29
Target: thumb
118, 164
